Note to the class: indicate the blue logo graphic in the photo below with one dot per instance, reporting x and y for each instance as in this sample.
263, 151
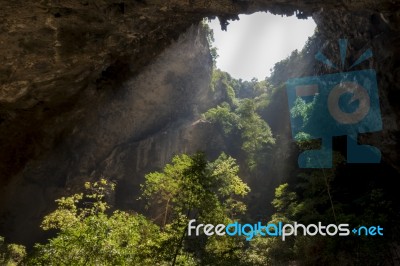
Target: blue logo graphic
340, 104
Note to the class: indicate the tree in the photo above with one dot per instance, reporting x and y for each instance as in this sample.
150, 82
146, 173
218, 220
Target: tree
256, 133
87, 235
192, 188
223, 115
11, 254
272, 250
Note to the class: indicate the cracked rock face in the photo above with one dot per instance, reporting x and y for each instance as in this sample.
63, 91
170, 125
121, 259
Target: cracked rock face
81, 81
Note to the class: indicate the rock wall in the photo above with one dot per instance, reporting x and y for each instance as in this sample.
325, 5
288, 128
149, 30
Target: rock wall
381, 33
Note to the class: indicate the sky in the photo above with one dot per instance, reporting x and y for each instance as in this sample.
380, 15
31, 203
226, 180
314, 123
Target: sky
253, 44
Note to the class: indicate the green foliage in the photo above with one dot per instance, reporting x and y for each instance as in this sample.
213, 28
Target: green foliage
239, 115
313, 201
305, 110
269, 251
89, 236
11, 254
302, 110
223, 81
256, 133
272, 250
223, 115
244, 120
285, 201
189, 187
192, 188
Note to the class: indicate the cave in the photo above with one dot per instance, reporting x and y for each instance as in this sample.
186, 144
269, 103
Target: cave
112, 88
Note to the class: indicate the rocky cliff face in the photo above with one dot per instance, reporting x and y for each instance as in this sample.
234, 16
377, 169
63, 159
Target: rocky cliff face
137, 128
88, 88
380, 33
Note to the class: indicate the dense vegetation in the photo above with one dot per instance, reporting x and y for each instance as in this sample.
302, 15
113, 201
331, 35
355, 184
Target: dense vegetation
239, 115
88, 233
190, 187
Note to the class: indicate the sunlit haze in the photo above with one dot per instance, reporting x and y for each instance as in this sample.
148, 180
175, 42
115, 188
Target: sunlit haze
252, 45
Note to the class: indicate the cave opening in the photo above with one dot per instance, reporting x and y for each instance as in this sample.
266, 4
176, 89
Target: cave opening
250, 46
